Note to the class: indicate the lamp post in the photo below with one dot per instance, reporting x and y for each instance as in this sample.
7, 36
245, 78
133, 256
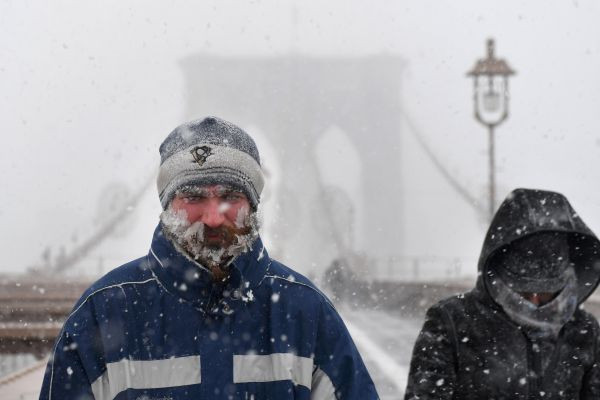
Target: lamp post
490, 97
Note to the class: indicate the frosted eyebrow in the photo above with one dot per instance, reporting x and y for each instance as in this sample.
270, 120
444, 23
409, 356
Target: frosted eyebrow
192, 191
233, 192
219, 191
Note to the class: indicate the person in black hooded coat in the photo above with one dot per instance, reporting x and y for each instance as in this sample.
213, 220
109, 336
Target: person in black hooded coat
520, 333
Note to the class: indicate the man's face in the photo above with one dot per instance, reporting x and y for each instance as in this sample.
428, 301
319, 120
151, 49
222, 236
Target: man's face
223, 212
212, 223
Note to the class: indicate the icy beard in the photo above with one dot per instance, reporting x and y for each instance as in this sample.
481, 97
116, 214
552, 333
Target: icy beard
189, 239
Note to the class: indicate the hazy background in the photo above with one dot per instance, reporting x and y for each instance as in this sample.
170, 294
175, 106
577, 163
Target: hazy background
88, 90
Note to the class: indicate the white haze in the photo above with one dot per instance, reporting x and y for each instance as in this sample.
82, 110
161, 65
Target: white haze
89, 89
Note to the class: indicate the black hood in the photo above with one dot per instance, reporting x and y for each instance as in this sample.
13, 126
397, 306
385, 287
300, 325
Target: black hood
527, 212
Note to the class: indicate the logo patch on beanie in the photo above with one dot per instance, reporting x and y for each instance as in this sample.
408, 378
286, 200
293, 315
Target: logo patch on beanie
201, 154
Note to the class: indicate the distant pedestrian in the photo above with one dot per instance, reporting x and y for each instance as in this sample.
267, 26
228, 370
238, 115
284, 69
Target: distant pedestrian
519, 334
339, 278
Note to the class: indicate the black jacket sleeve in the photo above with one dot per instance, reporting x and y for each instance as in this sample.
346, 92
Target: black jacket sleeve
433, 366
590, 388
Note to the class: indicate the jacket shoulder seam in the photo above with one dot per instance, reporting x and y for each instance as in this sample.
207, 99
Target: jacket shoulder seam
321, 295
105, 288
62, 331
452, 326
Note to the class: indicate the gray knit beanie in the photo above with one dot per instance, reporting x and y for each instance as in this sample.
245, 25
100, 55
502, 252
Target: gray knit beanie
209, 152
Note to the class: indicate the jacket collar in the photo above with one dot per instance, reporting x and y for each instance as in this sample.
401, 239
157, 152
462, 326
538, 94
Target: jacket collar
191, 281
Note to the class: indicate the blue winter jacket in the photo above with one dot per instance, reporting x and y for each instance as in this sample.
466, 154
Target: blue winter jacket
158, 328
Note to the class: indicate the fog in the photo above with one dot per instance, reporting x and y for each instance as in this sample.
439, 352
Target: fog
88, 90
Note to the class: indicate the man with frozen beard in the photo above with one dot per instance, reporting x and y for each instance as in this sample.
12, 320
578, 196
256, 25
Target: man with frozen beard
519, 334
207, 314
210, 242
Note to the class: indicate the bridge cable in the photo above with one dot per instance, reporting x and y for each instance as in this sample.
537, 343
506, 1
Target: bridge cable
450, 179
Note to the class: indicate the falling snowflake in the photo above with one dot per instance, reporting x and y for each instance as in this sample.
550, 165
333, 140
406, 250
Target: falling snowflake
248, 297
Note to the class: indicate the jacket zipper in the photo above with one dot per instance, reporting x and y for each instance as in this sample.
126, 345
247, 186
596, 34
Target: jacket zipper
534, 369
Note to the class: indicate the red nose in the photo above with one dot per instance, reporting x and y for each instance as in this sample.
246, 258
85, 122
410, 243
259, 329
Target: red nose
212, 215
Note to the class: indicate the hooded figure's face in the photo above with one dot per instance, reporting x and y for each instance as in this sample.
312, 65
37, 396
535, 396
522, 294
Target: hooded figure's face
538, 299
213, 224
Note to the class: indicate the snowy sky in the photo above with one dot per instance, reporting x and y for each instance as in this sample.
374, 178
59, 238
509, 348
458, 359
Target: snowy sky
89, 89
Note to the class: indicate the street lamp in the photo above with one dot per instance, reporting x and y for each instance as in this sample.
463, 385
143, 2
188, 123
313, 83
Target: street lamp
490, 97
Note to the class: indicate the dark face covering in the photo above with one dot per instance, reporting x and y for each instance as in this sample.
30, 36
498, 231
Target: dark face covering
539, 322
535, 264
